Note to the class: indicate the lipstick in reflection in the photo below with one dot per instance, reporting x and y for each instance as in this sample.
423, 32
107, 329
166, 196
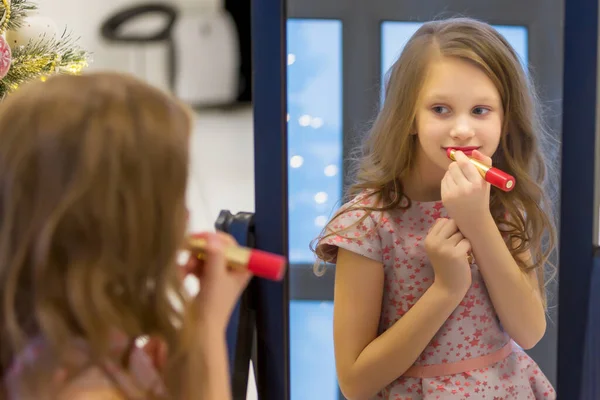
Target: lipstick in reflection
493, 176
260, 263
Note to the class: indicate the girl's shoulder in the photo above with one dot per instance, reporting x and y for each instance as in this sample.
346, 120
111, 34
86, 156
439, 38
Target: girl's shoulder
362, 212
366, 202
355, 227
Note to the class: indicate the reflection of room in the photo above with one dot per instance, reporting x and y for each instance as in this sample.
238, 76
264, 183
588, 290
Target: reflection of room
315, 133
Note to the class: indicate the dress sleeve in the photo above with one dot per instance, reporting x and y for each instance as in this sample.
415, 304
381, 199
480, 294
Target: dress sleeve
354, 229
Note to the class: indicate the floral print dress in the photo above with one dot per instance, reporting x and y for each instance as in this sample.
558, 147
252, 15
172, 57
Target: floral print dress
470, 357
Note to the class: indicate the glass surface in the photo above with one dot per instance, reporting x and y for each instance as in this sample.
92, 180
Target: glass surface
314, 97
315, 138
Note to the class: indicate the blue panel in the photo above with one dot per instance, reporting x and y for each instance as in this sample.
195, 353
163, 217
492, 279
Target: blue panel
314, 99
312, 362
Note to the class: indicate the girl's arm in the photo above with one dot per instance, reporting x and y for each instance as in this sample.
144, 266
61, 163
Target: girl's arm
515, 294
210, 365
219, 293
367, 363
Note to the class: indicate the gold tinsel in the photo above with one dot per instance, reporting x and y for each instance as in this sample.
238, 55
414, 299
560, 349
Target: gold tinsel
5, 17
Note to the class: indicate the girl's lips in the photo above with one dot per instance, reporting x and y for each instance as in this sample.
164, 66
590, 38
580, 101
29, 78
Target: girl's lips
466, 150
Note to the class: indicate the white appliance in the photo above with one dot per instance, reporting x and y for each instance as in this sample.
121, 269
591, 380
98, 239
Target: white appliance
189, 48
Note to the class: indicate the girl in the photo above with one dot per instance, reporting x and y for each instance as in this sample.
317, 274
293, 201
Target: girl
93, 173
415, 317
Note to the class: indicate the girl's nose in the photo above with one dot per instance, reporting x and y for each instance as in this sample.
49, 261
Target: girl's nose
462, 129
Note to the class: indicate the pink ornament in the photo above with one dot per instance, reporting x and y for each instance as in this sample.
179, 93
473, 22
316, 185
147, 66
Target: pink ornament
5, 57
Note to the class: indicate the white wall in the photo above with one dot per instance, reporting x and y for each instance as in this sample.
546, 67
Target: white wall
222, 165
222, 173
222, 156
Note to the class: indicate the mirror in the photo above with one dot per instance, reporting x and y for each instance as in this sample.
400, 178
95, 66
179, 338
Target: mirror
338, 53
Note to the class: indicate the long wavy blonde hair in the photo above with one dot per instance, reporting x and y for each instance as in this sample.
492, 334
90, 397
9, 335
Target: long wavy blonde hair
93, 175
524, 215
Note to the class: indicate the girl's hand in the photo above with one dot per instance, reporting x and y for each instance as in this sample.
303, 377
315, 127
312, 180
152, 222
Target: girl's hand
447, 250
465, 194
220, 287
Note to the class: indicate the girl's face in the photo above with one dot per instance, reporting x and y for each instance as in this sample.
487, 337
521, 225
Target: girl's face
459, 107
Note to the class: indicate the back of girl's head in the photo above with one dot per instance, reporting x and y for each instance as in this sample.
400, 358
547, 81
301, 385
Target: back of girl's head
93, 171
387, 154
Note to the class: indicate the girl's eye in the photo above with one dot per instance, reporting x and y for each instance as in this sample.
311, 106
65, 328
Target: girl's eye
440, 110
480, 111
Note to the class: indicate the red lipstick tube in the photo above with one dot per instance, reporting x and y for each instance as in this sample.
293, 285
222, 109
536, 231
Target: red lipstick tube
493, 176
260, 263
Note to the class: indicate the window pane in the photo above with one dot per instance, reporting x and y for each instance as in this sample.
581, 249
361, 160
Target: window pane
312, 364
314, 95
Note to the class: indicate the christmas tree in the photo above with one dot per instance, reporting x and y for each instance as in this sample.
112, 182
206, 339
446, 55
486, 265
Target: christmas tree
30, 47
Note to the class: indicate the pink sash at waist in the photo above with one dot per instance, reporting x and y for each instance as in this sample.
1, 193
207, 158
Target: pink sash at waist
435, 370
